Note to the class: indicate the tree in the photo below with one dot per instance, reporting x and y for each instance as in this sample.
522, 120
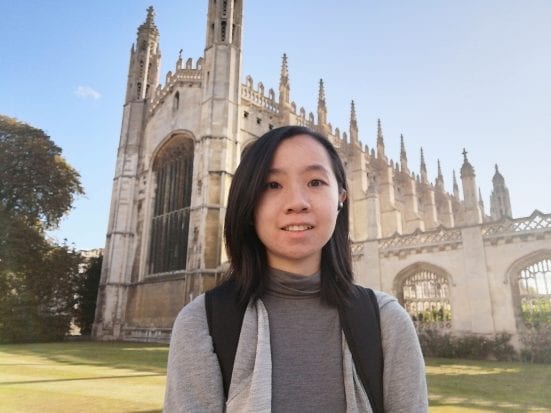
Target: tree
38, 279
36, 183
87, 294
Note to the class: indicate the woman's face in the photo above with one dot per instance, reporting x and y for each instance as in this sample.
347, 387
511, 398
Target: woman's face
297, 211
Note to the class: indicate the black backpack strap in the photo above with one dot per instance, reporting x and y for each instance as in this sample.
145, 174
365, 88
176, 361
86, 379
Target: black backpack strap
361, 324
224, 317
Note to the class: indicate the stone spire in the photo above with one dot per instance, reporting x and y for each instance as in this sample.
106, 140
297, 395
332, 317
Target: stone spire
473, 215
322, 108
374, 228
353, 124
467, 169
145, 61
403, 156
439, 184
284, 86
149, 23
423, 168
180, 60
498, 179
380, 141
455, 186
500, 202
480, 202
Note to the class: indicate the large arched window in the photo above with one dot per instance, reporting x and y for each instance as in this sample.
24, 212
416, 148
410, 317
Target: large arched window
173, 169
534, 287
424, 293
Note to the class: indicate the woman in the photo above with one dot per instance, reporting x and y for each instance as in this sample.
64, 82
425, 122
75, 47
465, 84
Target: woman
286, 233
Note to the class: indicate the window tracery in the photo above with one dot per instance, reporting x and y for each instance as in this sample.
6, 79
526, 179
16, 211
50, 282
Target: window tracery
425, 296
534, 286
173, 168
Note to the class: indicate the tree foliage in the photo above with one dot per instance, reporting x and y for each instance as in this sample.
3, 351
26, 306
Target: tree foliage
38, 279
38, 283
87, 294
36, 183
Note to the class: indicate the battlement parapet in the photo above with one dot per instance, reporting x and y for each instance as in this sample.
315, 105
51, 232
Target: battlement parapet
419, 241
257, 97
536, 223
183, 75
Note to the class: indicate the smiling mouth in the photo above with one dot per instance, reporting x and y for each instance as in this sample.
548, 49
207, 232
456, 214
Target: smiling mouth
296, 228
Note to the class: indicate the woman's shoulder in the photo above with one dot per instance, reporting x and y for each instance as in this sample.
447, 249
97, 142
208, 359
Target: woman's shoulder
389, 308
384, 299
192, 316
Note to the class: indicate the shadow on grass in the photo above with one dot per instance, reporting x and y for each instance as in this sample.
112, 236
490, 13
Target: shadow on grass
482, 407
130, 376
147, 411
134, 356
487, 385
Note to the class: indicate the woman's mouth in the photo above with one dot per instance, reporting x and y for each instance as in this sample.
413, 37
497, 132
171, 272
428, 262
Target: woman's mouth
296, 228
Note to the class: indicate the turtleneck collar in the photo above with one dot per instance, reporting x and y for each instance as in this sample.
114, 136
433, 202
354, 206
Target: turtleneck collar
289, 285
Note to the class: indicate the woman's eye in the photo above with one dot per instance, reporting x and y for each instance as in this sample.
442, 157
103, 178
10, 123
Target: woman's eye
272, 185
316, 182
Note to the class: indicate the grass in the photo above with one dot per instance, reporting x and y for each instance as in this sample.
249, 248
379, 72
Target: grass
82, 377
488, 386
130, 378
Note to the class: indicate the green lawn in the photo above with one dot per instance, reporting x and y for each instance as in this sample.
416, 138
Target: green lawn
124, 377
488, 386
82, 377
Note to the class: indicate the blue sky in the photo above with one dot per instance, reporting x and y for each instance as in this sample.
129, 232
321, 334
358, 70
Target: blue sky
448, 75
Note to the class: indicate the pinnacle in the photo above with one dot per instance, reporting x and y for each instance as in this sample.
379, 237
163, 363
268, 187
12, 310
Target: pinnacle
402, 148
149, 20
321, 95
284, 68
352, 110
380, 139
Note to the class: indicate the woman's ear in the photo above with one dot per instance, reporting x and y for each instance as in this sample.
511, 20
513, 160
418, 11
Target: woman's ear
342, 196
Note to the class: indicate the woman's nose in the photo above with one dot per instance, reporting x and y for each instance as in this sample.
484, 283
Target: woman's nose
297, 200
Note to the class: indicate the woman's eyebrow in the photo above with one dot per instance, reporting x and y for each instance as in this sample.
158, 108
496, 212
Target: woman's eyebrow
275, 171
309, 168
316, 168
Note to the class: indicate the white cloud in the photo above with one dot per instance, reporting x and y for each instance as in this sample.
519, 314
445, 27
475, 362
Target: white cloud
86, 92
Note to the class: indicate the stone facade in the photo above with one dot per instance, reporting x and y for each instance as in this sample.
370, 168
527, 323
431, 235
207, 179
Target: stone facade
449, 262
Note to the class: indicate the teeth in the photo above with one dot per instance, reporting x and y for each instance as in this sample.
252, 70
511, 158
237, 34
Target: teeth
297, 227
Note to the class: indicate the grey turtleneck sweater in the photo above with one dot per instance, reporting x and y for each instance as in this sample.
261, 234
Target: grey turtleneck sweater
194, 381
305, 337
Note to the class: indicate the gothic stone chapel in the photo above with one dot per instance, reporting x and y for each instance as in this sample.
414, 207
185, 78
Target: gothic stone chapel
451, 264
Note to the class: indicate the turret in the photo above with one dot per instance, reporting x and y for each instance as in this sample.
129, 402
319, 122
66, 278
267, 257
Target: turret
145, 60
217, 144
473, 214
222, 68
500, 202
143, 77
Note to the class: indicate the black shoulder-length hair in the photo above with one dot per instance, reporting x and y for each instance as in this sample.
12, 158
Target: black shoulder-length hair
247, 254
